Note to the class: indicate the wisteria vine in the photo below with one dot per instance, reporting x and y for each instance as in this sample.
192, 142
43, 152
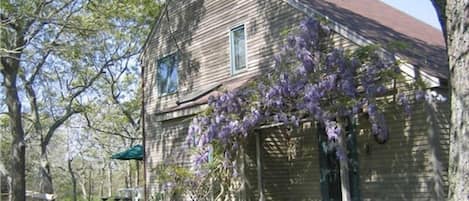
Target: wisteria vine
310, 79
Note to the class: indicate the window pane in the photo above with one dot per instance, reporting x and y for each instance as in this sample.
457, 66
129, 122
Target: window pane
173, 79
167, 75
239, 49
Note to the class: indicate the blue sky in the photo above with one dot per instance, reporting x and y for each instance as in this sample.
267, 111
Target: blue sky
420, 9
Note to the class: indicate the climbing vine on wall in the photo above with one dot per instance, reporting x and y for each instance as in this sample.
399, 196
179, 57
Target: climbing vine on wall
311, 79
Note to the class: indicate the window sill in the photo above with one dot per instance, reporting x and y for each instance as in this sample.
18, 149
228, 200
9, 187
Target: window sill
167, 94
239, 72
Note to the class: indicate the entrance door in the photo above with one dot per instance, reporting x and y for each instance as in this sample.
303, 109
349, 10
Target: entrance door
330, 167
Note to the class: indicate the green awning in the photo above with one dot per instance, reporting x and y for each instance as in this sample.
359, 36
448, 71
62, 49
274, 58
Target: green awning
134, 153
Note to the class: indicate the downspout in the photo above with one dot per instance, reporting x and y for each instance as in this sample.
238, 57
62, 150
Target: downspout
142, 77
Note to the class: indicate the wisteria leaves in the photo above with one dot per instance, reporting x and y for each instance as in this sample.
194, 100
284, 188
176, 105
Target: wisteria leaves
310, 79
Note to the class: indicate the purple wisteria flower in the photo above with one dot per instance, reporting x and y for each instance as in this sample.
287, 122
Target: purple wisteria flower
332, 130
420, 95
310, 79
404, 102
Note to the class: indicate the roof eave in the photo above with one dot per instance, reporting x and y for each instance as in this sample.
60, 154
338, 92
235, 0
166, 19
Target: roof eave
409, 69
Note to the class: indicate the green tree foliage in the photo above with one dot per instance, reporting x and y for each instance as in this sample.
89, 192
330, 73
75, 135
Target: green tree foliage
53, 54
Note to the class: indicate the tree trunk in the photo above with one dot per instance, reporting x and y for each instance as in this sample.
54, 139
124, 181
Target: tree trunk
129, 175
45, 183
1, 177
102, 176
44, 171
2, 170
453, 16
458, 50
90, 184
74, 180
110, 180
18, 149
10, 189
84, 193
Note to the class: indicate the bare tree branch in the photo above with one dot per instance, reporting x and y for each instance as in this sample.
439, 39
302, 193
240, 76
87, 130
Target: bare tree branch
90, 125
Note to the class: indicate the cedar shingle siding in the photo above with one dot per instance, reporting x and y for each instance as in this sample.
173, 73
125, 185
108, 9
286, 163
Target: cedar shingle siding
412, 165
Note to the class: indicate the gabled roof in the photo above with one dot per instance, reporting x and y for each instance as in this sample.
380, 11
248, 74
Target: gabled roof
382, 24
363, 22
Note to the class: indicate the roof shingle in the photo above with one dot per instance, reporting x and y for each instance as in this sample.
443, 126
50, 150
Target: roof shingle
385, 25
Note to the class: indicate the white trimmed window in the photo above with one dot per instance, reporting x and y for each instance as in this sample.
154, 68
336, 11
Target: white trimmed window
167, 75
238, 49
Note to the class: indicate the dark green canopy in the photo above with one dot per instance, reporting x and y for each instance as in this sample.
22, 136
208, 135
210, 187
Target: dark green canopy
134, 153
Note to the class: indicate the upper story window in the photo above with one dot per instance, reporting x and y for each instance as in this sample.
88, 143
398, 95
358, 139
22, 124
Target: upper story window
238, 49
167, 75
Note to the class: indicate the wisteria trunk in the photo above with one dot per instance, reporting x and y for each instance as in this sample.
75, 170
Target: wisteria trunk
244, 180
344, 169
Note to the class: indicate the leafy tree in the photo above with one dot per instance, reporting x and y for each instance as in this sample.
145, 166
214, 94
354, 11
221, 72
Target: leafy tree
4, 149
116, 113
52, 53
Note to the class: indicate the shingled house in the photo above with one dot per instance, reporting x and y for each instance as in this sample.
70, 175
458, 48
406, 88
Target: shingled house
198, 48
